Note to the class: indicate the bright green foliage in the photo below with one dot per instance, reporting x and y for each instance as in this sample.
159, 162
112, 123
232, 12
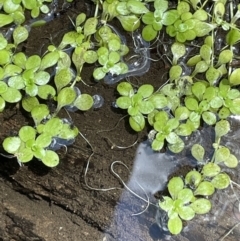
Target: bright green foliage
156, 20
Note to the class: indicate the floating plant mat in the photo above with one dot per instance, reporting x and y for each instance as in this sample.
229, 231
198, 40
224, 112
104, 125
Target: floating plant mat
146, 180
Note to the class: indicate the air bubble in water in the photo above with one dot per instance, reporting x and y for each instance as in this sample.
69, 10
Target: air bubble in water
98, 101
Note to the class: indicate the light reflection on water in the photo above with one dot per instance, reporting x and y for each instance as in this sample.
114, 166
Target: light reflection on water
149, 175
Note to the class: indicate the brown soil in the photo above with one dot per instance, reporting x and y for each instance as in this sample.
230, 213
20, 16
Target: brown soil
42, 204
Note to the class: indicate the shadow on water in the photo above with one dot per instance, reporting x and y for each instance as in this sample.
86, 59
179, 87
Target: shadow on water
150, 174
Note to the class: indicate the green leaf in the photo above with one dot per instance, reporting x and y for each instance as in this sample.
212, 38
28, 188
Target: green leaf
3, 87
53, 127
221, 181
210, 93
186, 195
224, 113
212, 75
184, 129
137, 122
129, 23
51, 159
16, 82
42, 78
46, 91
175, 185
210, 169
175, 225
157, 145
234, 77
49, 60
166, 204
27, 133
43, 140
225, 57
175, 72
201, 206
136, 7
124, 102
29, 102
149, 33
25, 155
68, 132
90, 26
80, 19
186, 213
65, 97
209, 118
31, 89
33, 62
63, 78
2, 104
39, 113
202, 28
19, 59
169, 17
205, 188
200, 14
5, 19
90, 56
198, 152
11, 144
235, 106
145, 90
222, 154
159, 101
176, 147
172, 138
193, 178
191, 103
20, 34
231, 161
146, 107
178, 50
206, 52
12, 95
5, 57
233, 36
198, 89
98, 73
222, 128
83, 102
194, 60
148, 18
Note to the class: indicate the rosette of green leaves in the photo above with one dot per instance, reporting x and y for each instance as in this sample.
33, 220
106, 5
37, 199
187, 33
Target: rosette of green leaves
28, 145
229, 98
202, 104
56, 127
36, 6
156, 20
20, 34
80, 40
33, 80
189, 26
109, 10
165, 132
129, 13
13, 13
182, 205
110, 59
8, 94
135, 103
